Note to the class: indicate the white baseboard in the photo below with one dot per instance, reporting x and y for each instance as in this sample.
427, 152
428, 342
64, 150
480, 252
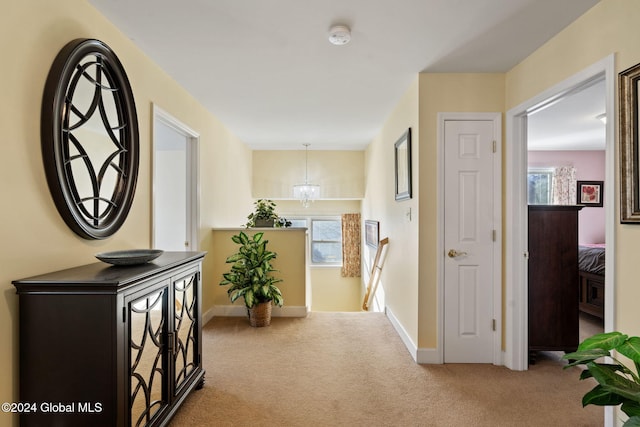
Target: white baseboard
207, 315
413, 350
241, 311
419, 355
429, 356
290, 311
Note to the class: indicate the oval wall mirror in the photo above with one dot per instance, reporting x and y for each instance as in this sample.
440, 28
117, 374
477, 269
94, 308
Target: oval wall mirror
89, 132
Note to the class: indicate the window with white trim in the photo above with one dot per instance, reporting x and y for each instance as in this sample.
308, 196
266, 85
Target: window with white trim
539, 186
326, 241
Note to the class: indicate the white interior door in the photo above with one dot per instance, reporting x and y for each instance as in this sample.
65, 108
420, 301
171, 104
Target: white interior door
470, 235
175, 185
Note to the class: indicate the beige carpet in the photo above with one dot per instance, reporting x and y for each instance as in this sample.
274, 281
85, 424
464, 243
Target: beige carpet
351, 369
590, 325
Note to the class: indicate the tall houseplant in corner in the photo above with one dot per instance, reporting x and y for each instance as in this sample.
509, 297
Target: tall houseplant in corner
250, 277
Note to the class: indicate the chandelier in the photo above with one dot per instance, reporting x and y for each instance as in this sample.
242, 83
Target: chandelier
306, 192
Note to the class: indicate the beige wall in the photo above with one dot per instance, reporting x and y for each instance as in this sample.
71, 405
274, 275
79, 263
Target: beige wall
609, 27
35, 239
332, 292
289, 245
339, 173
399, 277
606, 28
410, 272
329, 290
442, 93
319, 208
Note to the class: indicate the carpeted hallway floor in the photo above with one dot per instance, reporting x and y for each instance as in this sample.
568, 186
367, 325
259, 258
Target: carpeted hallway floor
351, 369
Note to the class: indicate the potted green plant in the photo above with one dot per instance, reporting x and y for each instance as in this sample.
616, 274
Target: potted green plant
617, 384
265, 215
250, 277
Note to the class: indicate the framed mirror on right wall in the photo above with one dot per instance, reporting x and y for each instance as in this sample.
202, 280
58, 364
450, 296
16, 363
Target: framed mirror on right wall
628, 134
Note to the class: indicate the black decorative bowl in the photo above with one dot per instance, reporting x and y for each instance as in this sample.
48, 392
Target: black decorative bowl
130, 257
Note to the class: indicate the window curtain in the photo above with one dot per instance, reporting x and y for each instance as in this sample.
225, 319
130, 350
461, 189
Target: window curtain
564, 185
351, 242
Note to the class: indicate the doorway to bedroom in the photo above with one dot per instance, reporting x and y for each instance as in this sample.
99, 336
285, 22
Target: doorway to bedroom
517, 203
175, 202
566, 162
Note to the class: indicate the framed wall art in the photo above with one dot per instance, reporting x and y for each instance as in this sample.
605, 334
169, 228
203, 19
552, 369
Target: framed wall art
372, 233
628, 82
589, 193
402, 155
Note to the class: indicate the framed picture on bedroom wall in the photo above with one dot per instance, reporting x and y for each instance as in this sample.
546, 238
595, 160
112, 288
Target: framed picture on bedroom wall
590, 193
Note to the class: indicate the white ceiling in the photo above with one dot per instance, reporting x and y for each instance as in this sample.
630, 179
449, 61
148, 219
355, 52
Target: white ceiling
268, 72
572, 123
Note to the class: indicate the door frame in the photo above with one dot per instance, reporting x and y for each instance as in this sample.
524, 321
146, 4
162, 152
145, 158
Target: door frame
497, 222
516, 303
193, 174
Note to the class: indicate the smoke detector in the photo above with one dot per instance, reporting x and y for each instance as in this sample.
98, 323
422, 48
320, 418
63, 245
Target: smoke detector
339, 35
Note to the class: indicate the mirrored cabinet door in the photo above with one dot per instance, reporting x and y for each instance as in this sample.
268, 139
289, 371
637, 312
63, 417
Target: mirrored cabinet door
125, 343
186, 309
148, 364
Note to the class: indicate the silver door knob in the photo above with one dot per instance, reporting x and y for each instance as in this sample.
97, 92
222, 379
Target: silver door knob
453, 253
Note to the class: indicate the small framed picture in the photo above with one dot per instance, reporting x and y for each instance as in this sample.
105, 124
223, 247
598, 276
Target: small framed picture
371, 233
590, 193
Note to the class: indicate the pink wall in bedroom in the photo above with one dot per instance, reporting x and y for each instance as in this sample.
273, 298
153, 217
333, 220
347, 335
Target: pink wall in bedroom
589, 167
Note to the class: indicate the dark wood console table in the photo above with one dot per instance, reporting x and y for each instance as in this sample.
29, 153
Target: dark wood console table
103, 345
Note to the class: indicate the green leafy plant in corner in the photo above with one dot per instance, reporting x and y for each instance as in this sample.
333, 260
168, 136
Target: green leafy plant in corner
617, 384
250, 275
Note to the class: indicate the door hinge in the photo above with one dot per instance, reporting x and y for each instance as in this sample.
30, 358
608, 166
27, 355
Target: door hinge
493, 324
124, 314
493, 235
186, 244
526, 255
495, 146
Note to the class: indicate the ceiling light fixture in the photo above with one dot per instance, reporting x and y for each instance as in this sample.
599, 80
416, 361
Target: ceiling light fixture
339, 35
306, 192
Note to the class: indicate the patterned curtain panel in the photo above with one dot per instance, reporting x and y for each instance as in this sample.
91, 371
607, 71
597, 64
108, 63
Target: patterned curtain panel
564, 186
351, 245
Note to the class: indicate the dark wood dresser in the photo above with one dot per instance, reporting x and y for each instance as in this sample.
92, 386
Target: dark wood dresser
553, 278
592, 294
103, 345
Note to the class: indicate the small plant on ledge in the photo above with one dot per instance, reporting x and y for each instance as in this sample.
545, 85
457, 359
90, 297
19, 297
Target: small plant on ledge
617, 384
265, 215
250, 277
